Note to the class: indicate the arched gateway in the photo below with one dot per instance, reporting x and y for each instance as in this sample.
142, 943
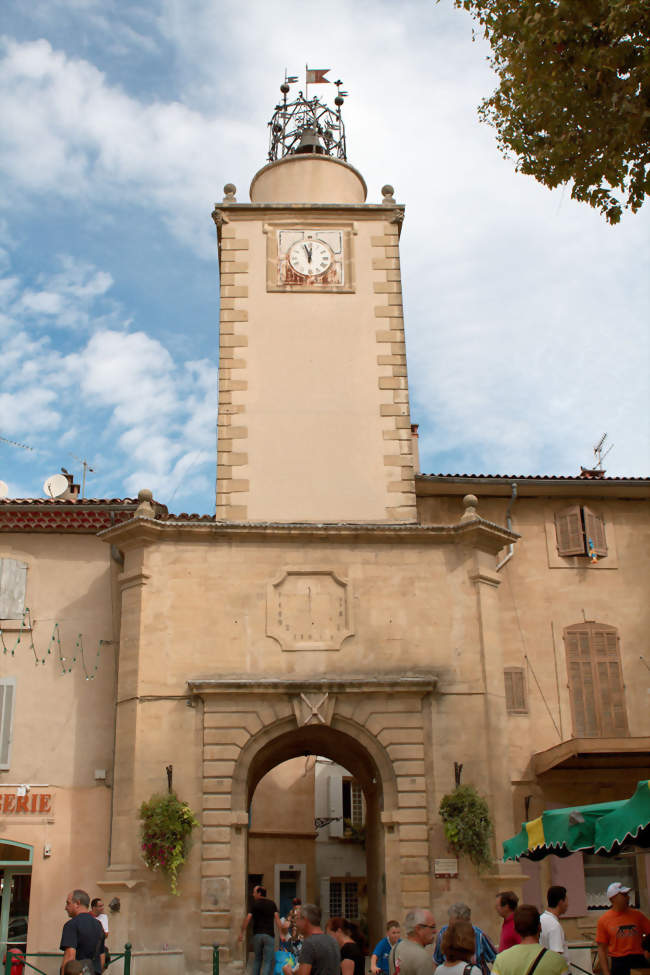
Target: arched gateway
374, 727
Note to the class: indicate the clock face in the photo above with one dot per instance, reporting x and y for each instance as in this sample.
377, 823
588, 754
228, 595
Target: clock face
310, 257
313, 258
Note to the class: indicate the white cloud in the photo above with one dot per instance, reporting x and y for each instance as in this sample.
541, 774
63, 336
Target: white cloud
120, 393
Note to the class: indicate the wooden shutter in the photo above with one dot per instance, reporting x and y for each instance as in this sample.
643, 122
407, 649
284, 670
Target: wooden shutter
581, 682
609, 680
7, 694
595, 530
13, 578
515, 690
595, 681
568, 531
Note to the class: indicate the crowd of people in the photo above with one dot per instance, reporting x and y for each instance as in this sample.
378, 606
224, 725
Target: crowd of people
530, 943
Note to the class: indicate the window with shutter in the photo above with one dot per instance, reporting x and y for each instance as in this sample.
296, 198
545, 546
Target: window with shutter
515, 690
7, 696
595, 530
595, 681
13, 579
568, 528
575, 528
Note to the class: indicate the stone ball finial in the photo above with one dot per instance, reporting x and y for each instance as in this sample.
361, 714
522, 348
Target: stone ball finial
387, 194
229, 193
470, 503
145, 507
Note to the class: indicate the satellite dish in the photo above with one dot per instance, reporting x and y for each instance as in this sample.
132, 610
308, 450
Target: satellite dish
56, 486
4, 489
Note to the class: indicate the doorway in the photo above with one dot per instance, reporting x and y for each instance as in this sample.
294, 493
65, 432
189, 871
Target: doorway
15, 888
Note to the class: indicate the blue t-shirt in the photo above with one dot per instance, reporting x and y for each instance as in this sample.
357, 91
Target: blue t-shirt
382, 950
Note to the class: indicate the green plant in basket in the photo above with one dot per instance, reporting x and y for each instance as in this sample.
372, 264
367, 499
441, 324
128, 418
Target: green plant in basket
468, 826
166, 827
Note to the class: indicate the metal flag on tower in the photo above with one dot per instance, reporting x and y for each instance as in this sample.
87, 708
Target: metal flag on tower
315, 76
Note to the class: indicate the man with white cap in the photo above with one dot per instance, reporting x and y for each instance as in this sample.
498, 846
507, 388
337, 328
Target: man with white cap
619, 934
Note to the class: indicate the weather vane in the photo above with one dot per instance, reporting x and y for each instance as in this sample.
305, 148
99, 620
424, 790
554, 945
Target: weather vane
307, 124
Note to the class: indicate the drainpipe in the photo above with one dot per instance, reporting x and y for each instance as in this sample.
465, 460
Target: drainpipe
511, 547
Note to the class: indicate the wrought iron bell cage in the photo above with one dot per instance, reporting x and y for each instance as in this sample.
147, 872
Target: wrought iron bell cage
307, 126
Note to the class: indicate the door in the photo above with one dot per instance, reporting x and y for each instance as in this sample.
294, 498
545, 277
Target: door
15, 887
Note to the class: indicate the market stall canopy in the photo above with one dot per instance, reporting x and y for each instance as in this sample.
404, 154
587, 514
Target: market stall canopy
603, 827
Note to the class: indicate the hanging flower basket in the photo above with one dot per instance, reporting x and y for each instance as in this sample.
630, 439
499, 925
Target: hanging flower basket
166, 827
468, 826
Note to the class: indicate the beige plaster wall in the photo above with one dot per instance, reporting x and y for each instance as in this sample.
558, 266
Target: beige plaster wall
204, 611
308, 179
283, 801
63, 723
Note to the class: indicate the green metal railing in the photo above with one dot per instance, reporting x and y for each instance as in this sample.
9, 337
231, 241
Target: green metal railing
215, 959
22, 957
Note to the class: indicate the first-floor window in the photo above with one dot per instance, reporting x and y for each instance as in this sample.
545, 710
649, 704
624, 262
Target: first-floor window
344, 899
601, 871
595, 681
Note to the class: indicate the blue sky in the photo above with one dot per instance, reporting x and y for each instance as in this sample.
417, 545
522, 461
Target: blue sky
526, 314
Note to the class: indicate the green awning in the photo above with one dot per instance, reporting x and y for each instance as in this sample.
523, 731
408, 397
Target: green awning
603, 827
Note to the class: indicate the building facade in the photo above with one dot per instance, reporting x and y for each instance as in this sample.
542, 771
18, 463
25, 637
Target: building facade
341, 605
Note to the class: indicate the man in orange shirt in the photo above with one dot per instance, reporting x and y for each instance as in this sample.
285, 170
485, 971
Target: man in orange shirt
619, 934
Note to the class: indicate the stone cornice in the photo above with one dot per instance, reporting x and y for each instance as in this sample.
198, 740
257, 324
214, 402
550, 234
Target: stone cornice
475, 532
385, 684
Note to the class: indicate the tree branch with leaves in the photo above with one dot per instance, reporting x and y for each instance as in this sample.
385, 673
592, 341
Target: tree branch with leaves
573, 101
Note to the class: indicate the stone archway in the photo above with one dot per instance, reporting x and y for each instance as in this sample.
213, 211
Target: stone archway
376, 728
345, 749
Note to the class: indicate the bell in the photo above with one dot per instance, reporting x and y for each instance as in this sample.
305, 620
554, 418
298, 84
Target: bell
309, 141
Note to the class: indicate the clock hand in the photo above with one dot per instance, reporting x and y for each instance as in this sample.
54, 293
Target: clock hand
308, 252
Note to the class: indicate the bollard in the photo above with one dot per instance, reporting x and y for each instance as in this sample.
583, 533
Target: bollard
127, 959
215, 959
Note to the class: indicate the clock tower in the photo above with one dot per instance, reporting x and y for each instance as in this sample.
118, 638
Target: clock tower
314, 423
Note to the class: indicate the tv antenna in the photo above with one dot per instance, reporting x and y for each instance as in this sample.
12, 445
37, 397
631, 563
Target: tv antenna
86, 467
599, 453
16, 443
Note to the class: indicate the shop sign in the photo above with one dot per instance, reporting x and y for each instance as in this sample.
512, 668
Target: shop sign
36, 803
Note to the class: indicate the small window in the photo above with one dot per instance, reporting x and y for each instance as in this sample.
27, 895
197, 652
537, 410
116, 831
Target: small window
344, 899
7, 696
353, 812
515, 690
601, 871
13, 578
580, 531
